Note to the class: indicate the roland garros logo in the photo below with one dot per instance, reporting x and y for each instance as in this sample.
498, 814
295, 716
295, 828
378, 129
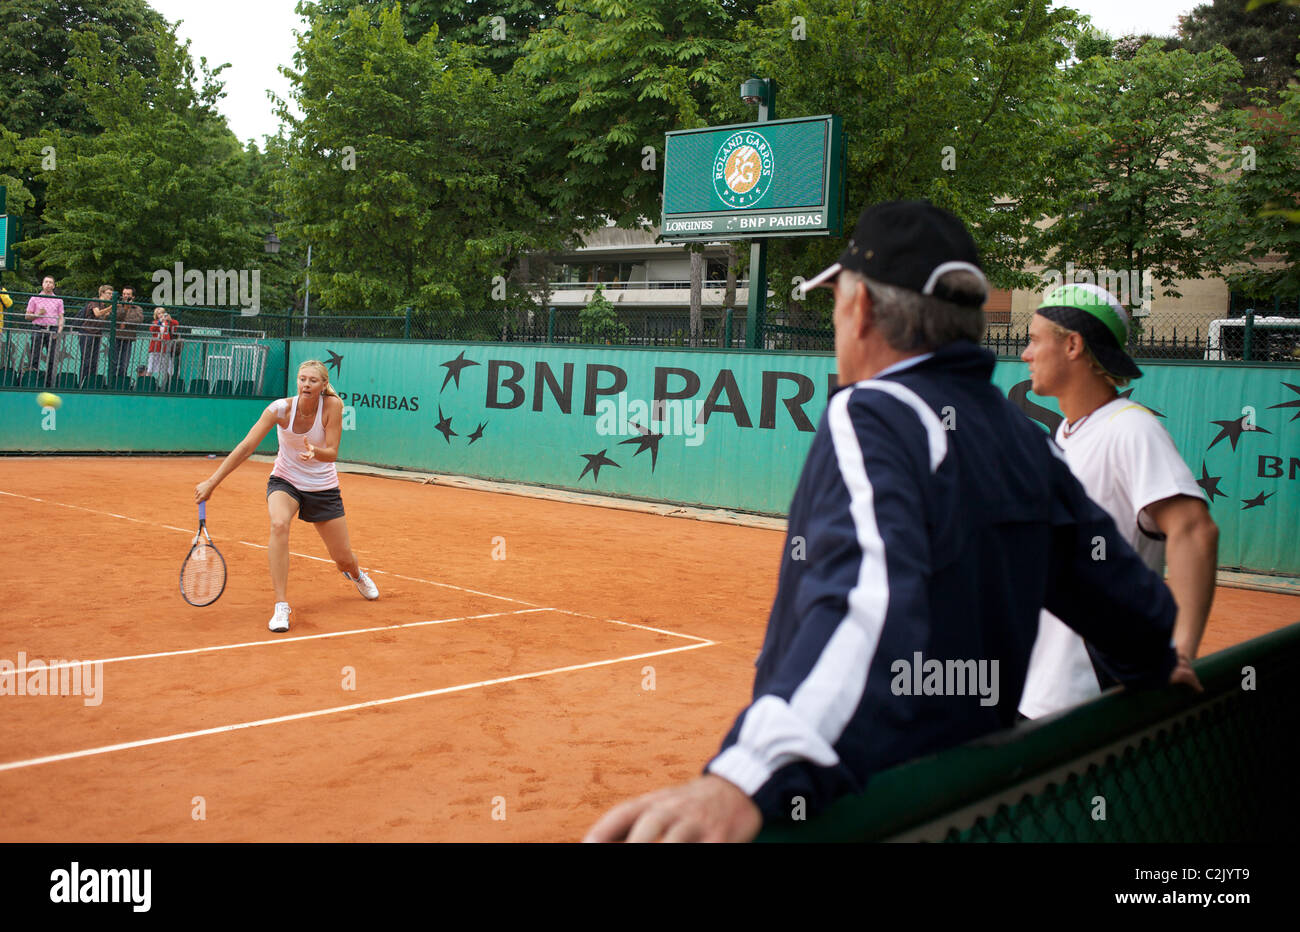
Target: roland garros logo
742, 169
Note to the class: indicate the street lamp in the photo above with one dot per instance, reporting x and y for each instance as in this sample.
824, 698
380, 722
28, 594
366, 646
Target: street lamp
272, 243
760, 91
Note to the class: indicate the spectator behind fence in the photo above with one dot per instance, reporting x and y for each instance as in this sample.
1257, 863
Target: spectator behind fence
129, 316
161, 334
176, 345
6, 302
93, 317
45, 311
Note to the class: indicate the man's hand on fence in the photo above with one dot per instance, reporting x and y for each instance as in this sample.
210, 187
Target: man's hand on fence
1184, 675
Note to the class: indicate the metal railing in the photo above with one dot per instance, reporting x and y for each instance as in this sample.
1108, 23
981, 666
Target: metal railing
131, 357
645, 285
1157, 336
1219, 341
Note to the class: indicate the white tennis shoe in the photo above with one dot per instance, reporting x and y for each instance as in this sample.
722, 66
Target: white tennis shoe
280, 620
365, 585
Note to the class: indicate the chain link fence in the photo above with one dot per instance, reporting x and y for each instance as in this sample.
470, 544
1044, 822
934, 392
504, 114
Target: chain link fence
1255, 330
1158, 765
1251, 337
70, 342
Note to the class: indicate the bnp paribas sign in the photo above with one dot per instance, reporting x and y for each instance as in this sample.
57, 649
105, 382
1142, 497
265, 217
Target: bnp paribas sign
754, 180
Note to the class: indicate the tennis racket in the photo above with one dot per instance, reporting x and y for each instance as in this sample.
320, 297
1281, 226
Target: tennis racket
203, 574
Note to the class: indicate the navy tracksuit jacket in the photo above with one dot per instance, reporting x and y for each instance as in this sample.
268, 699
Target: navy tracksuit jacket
931, 522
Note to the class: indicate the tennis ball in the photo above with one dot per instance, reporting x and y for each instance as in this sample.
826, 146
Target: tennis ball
48, 400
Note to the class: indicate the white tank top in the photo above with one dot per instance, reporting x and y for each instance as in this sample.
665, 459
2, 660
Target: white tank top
304, 475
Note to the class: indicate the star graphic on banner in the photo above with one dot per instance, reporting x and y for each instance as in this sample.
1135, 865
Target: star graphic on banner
1257, 501
1019, 396
1210, 484
478, 434
1293, 403
1233, 431
444, 426
647, 441
594, 462
454, 367
1128, 394
335, 362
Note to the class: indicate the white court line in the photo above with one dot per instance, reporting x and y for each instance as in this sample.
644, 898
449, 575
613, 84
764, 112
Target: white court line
430, 582
301, 637
615, 621
450, 586
292, 553
109, 748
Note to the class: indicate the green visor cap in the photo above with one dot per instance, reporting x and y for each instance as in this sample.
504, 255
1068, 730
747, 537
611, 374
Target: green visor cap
1092, 300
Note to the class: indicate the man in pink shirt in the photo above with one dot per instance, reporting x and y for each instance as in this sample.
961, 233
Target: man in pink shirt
46, 314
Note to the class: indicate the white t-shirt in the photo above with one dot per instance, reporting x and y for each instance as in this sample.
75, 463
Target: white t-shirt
1125, 461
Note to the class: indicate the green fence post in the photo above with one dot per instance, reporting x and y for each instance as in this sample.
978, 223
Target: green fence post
406, 329
1248, 335
550, 325
112, 344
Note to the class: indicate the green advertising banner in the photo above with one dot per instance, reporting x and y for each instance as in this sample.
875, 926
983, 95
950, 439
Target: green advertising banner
728, 430
126, 423
731, 430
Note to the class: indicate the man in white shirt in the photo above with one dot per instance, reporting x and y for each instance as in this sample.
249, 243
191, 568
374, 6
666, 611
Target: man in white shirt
1129, 466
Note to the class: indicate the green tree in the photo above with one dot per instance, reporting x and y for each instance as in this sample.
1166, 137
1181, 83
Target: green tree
156, 187
39, 94
956, 102
468, 22
412, 172
262, 175
1140, 184
38, 84
599, 323
612, 77
1265, 41
1264, 222
16, 158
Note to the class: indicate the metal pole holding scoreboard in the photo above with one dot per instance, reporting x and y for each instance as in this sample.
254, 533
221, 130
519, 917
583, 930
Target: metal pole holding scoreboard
763, 92
719, 185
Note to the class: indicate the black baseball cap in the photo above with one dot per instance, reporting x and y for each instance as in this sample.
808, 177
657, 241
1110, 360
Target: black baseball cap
909, 244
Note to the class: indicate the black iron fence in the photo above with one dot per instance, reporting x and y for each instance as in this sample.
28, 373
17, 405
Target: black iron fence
1267, 331
137, 359
1246, 339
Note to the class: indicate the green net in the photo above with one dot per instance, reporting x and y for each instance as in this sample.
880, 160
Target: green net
1157, 766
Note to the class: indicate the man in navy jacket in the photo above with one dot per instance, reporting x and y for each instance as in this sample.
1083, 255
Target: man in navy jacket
935, 522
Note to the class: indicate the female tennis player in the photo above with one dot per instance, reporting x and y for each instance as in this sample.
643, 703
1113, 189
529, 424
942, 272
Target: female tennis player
303, 480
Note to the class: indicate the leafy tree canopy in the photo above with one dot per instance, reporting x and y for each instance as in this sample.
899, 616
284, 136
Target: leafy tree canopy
1265, 41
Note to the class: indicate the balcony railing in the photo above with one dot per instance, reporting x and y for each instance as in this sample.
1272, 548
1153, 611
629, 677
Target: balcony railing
647, 285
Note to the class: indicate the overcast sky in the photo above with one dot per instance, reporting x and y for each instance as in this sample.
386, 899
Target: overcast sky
256, 37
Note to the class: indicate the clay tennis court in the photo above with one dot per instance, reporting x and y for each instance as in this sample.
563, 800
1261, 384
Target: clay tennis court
478, 699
